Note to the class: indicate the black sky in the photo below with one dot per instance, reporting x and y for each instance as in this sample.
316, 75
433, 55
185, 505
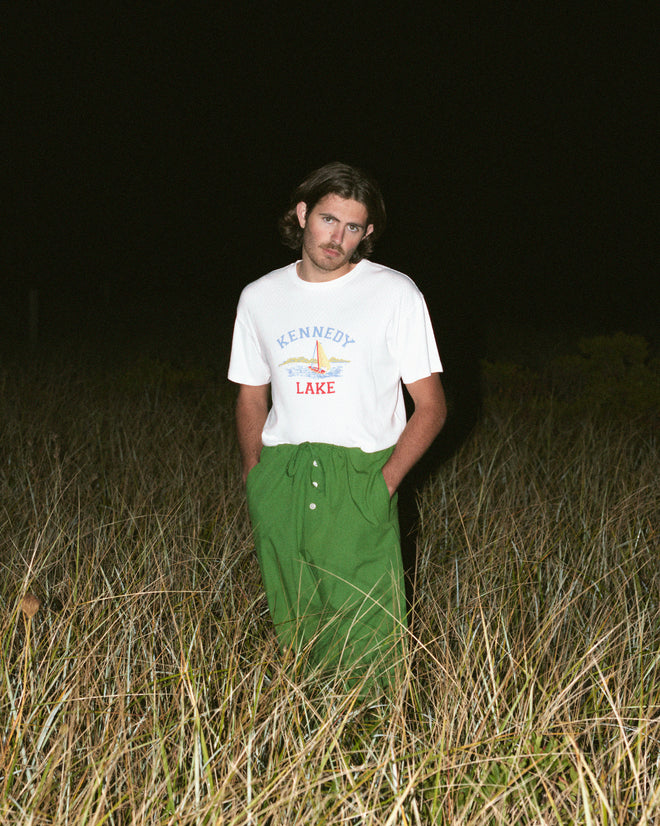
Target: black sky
152, 147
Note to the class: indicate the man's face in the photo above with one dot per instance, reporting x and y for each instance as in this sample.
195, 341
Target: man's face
332, 232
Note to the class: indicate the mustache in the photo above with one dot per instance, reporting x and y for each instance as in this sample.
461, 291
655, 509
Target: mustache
335, 247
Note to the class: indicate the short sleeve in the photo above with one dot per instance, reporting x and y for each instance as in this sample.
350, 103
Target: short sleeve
418, 351
247, 364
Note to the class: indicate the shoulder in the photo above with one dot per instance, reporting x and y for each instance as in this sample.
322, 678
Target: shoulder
270, 283
389, 280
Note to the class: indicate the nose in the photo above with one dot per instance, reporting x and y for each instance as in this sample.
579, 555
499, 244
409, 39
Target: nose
337, 235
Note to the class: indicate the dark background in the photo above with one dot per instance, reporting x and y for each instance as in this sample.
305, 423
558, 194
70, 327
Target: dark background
152, 147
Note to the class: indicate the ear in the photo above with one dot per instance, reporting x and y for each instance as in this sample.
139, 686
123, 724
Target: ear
370, 229
301, 212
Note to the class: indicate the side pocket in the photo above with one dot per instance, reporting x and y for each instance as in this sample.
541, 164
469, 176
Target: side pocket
385, 493
251, 474
377, 502
367, 486
251, 483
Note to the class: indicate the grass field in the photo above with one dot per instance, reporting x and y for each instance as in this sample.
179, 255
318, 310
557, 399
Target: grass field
145, 685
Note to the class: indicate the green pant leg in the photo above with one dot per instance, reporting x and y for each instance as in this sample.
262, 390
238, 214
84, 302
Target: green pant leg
355, 546
277, 528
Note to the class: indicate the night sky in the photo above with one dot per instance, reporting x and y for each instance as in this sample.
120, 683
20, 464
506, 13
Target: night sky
152, 147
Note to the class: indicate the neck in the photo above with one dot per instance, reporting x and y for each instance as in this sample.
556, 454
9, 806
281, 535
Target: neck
308, 271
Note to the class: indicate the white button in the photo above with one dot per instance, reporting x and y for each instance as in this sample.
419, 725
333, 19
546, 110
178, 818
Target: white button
312, 506
316, 484
315, 463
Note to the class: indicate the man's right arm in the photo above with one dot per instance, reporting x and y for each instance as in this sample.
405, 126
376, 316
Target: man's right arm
251, 414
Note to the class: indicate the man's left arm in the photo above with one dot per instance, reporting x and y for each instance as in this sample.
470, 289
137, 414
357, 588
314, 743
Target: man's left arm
421, 429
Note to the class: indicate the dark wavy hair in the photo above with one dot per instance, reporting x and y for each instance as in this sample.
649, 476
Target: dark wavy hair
347, 182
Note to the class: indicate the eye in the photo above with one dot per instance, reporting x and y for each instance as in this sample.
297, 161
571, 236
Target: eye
353, 228
328, 219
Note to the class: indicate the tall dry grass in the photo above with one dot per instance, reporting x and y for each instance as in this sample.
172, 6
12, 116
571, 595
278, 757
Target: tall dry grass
147, 687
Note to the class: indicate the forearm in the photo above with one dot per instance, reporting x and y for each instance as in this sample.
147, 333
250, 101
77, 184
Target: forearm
419, 433
251, 415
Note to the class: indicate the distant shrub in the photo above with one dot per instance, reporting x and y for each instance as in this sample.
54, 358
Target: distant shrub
609, 375
614, 375
507, 379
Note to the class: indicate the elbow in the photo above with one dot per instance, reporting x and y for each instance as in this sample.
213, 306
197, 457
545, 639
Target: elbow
440, 418
440, 412
434, 417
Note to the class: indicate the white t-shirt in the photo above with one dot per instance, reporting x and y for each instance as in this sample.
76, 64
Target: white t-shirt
334, 353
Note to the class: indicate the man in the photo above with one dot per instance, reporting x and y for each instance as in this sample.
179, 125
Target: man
330, 338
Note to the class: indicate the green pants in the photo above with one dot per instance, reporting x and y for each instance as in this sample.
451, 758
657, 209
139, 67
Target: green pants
327, 540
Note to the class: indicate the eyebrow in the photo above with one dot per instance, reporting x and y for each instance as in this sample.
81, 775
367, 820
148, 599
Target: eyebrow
334, 217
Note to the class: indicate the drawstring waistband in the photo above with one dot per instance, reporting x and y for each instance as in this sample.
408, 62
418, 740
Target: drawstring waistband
306, 457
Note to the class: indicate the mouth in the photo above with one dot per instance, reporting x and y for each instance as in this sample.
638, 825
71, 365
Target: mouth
332, 251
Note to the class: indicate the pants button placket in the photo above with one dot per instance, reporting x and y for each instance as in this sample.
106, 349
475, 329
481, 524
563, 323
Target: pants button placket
312, 505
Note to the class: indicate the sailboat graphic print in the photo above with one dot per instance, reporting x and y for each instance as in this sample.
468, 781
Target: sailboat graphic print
330, 366
321, 361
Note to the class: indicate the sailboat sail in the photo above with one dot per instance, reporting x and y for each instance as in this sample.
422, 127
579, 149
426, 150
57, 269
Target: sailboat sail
322, 362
